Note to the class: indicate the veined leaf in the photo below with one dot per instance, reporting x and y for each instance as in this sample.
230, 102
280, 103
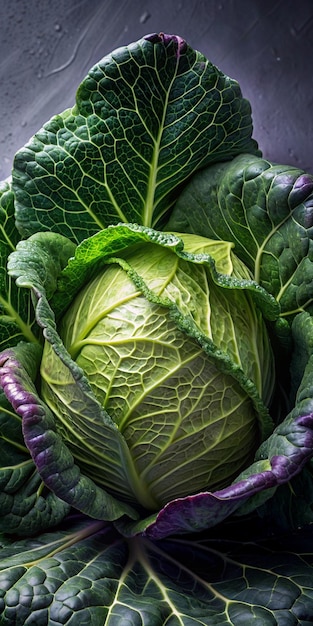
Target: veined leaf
146, 117
52, 458
16, 312
266, 210
87, 574
26, 505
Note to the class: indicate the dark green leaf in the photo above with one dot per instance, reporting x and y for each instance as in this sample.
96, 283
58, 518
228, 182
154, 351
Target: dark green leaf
87, 574
292, 506
16, 312
302, 335
26, 505
267, 211
146, 117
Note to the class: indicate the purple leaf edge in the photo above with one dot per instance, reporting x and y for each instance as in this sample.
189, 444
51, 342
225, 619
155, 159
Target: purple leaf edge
188, 514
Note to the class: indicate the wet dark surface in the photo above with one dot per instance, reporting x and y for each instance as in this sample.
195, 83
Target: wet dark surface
46, 48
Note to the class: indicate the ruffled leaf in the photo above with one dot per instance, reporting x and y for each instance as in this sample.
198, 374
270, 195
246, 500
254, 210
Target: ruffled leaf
266, 210
52, 458
26, 505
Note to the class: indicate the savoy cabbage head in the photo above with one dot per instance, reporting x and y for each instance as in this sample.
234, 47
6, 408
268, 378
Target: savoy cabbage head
178, 354
156, 358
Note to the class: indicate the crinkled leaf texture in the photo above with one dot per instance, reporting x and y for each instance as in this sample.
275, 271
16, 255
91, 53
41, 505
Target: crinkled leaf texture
26, 505
146, 117
86, 573
16, 311
266, 210
280, 457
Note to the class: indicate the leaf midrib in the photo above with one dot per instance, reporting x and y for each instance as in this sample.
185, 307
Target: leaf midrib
152, 184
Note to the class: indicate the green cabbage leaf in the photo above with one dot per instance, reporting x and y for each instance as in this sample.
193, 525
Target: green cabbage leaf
87, 573
146, 117
266, 210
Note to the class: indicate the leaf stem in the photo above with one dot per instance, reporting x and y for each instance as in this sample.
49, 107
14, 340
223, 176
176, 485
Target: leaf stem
16, 318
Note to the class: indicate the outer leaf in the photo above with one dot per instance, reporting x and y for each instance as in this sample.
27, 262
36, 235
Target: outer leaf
87, 574
292, 506
16, 313
55, 462
302, 330
266, 210
146, 117
26, 506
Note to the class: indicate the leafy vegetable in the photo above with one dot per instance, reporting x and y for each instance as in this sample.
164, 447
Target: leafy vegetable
156, 412
166, 371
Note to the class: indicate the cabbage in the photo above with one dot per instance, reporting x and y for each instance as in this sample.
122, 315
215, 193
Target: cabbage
184, 390
156, 362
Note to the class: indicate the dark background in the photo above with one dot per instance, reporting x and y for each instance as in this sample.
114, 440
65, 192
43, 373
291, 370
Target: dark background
47, 47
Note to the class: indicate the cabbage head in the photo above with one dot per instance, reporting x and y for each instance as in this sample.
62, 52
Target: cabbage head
175, 349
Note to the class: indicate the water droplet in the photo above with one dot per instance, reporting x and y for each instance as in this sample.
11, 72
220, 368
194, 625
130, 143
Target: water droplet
293, 155
144, 17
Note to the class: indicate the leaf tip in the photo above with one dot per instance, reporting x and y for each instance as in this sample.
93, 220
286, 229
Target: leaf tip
178, 42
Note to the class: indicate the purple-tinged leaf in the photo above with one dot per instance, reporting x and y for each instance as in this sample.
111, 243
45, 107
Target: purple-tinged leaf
50, 454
